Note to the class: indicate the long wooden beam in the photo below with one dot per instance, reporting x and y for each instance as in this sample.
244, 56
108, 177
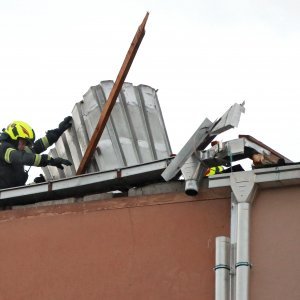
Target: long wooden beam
113, 96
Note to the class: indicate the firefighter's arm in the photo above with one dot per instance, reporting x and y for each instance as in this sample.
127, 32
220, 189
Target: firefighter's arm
16, 157
13, 156
52, 136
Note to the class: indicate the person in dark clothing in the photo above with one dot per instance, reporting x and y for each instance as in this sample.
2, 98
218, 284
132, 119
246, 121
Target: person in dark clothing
18, 148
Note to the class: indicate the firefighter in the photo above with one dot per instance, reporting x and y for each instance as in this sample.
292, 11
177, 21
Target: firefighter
214, 170
18, 148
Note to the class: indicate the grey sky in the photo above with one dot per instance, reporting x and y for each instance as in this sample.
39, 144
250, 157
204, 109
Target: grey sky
203, 56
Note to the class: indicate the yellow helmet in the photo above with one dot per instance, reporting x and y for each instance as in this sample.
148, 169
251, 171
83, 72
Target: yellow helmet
20, 129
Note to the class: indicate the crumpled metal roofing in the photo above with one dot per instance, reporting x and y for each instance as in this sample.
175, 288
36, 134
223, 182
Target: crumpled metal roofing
135, 132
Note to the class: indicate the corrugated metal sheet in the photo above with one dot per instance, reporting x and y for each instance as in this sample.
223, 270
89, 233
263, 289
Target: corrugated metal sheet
135, 132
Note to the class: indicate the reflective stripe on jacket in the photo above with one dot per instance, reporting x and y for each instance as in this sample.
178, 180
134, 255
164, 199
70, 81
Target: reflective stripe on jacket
214, 170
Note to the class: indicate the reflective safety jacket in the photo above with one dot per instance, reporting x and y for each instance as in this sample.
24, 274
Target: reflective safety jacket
12, 161
214, 170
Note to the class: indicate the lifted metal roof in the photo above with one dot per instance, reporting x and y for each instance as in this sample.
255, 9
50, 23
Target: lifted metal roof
134, 134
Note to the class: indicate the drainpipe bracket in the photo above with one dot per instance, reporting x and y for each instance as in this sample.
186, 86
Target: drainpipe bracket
243, 264
221, 266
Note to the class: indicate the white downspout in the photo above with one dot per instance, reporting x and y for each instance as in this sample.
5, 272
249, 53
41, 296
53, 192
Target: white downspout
242, 265
244, 189
193, 172
222, 268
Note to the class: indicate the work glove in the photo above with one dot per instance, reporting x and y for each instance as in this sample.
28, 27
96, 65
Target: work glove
65, 124
59, 162
54, 134
39, 179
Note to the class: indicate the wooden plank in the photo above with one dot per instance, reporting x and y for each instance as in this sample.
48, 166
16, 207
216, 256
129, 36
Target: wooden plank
113, 96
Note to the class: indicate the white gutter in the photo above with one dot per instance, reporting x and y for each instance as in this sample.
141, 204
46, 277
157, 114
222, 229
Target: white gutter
265, 177
77, 186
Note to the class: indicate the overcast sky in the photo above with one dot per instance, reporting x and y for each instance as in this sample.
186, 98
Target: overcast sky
203, 56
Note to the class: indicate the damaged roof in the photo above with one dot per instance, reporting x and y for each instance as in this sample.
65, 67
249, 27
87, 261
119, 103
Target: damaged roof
134, 149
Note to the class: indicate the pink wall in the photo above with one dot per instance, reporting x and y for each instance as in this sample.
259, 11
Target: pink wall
275, 245
129, 248
150, 247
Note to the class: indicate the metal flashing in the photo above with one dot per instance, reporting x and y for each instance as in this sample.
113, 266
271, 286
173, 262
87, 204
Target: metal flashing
278, 176
77, 186
202, 137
